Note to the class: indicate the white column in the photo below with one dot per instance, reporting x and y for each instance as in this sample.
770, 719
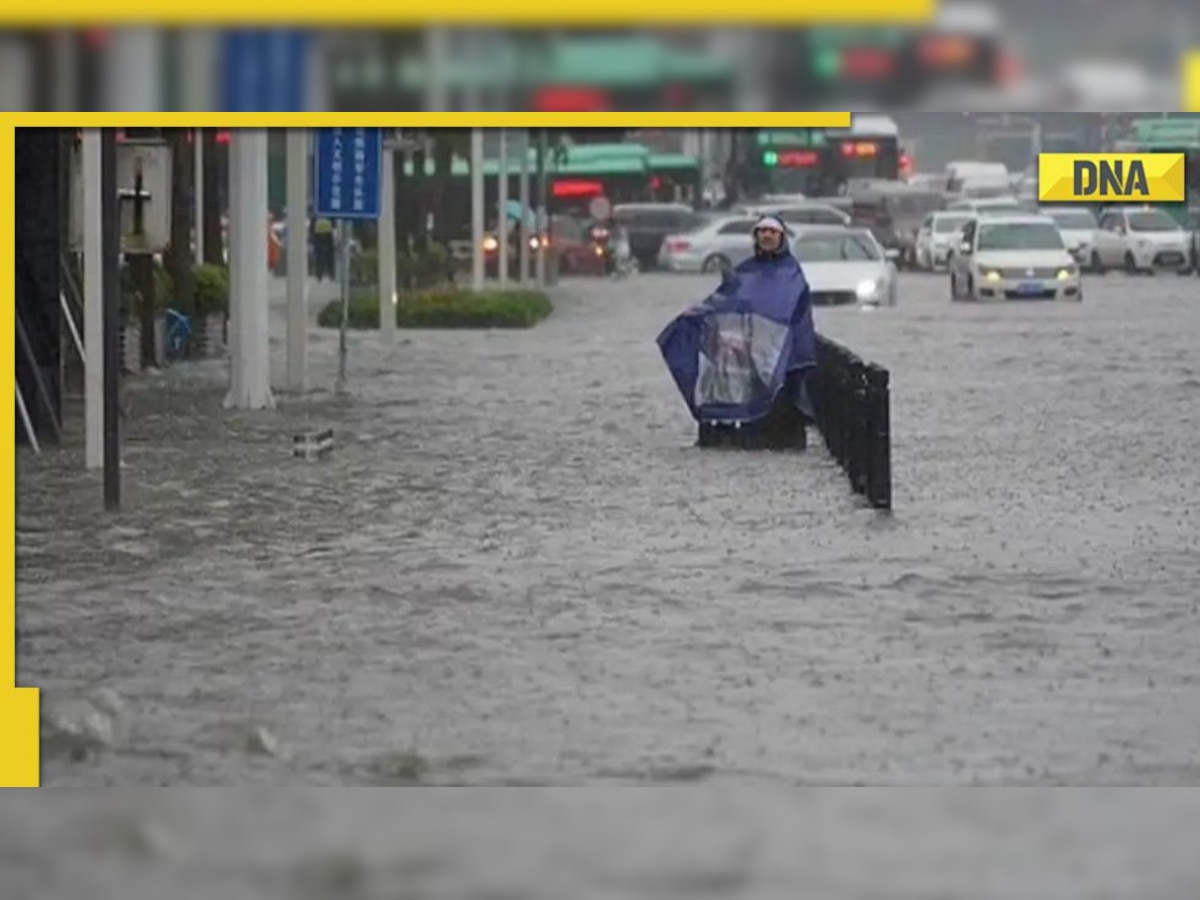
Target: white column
387, 247
436, 94
297, 259
134, 70
93, 301
249, 320
523, 198
477, 209
502, 205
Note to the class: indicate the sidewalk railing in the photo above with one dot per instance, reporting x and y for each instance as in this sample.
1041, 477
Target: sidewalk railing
851, 401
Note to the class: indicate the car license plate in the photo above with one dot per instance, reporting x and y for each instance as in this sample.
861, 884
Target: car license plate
1029, 287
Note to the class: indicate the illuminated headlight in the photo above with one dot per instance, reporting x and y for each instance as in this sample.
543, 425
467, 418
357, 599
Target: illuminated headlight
490, 244
868, 290
533, 243
992, 275
1067, 273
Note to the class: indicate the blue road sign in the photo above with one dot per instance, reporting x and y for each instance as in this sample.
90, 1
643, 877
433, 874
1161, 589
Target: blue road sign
347, 163
264, 70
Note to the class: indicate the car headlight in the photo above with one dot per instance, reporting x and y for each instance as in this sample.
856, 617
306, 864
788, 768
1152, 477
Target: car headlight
868, 290
992, 275
490, 244
1067, 273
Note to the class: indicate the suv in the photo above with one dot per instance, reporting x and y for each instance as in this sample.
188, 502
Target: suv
647, 224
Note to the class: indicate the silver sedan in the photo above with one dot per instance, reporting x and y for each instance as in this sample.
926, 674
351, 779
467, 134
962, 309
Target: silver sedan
711, 247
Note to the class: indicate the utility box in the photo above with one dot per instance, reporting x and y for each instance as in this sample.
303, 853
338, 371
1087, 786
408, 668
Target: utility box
144, 195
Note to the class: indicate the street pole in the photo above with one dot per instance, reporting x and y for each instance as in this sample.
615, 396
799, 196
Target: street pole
543, 220
344, 284
95, 271
297, 259
387, 246
502, 212
523, 196
110, 238
477, 260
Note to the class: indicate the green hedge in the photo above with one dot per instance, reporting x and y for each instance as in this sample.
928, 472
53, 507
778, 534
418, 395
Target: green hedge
445, 309
413, 270
212, 291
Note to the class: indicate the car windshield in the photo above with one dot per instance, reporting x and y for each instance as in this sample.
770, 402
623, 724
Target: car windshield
836, 248
1073, 219
949, 224
1020, 236
1152, 220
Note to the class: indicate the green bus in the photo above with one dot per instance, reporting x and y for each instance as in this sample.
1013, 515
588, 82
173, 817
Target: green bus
621, 173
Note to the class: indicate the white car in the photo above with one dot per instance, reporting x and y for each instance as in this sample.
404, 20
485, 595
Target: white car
981, 205
845, 265
936, 238
710, 247
1014, 257
1139, 239
1078, 227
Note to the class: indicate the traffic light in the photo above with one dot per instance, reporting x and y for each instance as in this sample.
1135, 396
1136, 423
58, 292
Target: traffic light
827, 63
770, 158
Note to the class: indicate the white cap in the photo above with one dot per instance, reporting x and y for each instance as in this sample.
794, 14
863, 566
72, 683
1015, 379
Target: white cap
770, 222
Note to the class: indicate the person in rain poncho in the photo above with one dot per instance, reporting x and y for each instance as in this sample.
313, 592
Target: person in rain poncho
746, 348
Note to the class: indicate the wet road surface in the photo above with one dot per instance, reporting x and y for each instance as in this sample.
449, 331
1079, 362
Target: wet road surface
517, 569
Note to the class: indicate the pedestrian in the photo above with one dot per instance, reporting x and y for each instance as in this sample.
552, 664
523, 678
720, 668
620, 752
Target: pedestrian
324, 250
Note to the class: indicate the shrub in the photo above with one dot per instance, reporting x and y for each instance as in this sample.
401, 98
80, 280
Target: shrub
212, 290
445, 309
132, 299
413, 270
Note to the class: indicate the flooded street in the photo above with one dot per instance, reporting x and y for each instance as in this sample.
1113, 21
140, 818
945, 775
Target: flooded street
515, 567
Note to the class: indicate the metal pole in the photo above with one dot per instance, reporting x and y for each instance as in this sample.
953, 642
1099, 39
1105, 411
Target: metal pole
543, 219
92, 173
477, 209
27, 422
344, 280
502, 204
523, 196
387, 246
110, 241
297, 259
198, 194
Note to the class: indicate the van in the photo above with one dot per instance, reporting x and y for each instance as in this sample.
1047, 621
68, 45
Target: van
894, 212
977, 179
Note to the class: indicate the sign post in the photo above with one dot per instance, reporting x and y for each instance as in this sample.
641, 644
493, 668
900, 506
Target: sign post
347, 165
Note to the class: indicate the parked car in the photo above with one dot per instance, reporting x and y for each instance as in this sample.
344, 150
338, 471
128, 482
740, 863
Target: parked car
1013, 257
801, 213
1140, 239
981, 205
649, 223
1078, 227
894, 211
937, 237
709, 247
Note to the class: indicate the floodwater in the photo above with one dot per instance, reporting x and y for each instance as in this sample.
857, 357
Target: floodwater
515, 568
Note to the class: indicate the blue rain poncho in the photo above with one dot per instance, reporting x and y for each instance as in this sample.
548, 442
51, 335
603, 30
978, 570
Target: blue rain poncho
734, 354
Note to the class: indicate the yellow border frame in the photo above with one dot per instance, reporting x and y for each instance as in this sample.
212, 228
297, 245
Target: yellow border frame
19, 707
466, 12
20, 756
